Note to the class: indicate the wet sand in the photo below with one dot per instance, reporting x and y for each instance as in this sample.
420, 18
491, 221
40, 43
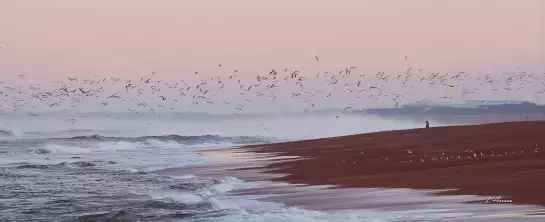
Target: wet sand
501, 159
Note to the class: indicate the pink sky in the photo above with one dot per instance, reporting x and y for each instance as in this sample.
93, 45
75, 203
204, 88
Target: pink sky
49, 40
133, 37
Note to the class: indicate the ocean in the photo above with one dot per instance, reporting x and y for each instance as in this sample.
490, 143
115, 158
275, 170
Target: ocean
110, 167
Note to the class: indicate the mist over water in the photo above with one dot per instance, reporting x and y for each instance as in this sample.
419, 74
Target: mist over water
280, 126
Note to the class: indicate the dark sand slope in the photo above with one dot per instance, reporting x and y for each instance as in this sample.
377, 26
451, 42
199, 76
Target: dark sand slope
506, 159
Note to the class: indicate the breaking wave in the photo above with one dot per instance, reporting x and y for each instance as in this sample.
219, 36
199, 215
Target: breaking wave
54, 148
79, 164
187, 140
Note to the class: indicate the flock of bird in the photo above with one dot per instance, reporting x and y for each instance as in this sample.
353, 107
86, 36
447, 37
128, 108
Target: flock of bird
470, 154
238, 90
467, 155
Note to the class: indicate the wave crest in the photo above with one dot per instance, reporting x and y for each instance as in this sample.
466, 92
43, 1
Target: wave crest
187, 140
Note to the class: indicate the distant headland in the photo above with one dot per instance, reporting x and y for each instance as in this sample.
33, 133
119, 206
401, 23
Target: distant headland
467, 111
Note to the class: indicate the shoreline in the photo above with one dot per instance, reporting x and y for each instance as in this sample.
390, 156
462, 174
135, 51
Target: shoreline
502, 160
410, 204
267, 183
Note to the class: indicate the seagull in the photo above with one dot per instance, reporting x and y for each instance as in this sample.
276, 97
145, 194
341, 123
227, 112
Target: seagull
115, 80
409, 151
317, 59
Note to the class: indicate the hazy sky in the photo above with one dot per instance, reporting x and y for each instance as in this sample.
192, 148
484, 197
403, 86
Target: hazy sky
72, 37
55, 38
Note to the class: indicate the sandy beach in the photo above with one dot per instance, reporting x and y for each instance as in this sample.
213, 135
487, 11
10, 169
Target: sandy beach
502, 161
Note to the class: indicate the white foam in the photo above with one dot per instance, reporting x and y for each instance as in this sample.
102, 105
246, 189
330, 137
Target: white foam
163, 144
41, 151
212, 145
184, 177
116, 146
181, 197
132, 170
54, 148
227, 185
225, 204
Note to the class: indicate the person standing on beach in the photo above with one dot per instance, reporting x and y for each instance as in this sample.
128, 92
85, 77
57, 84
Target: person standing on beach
427, 124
